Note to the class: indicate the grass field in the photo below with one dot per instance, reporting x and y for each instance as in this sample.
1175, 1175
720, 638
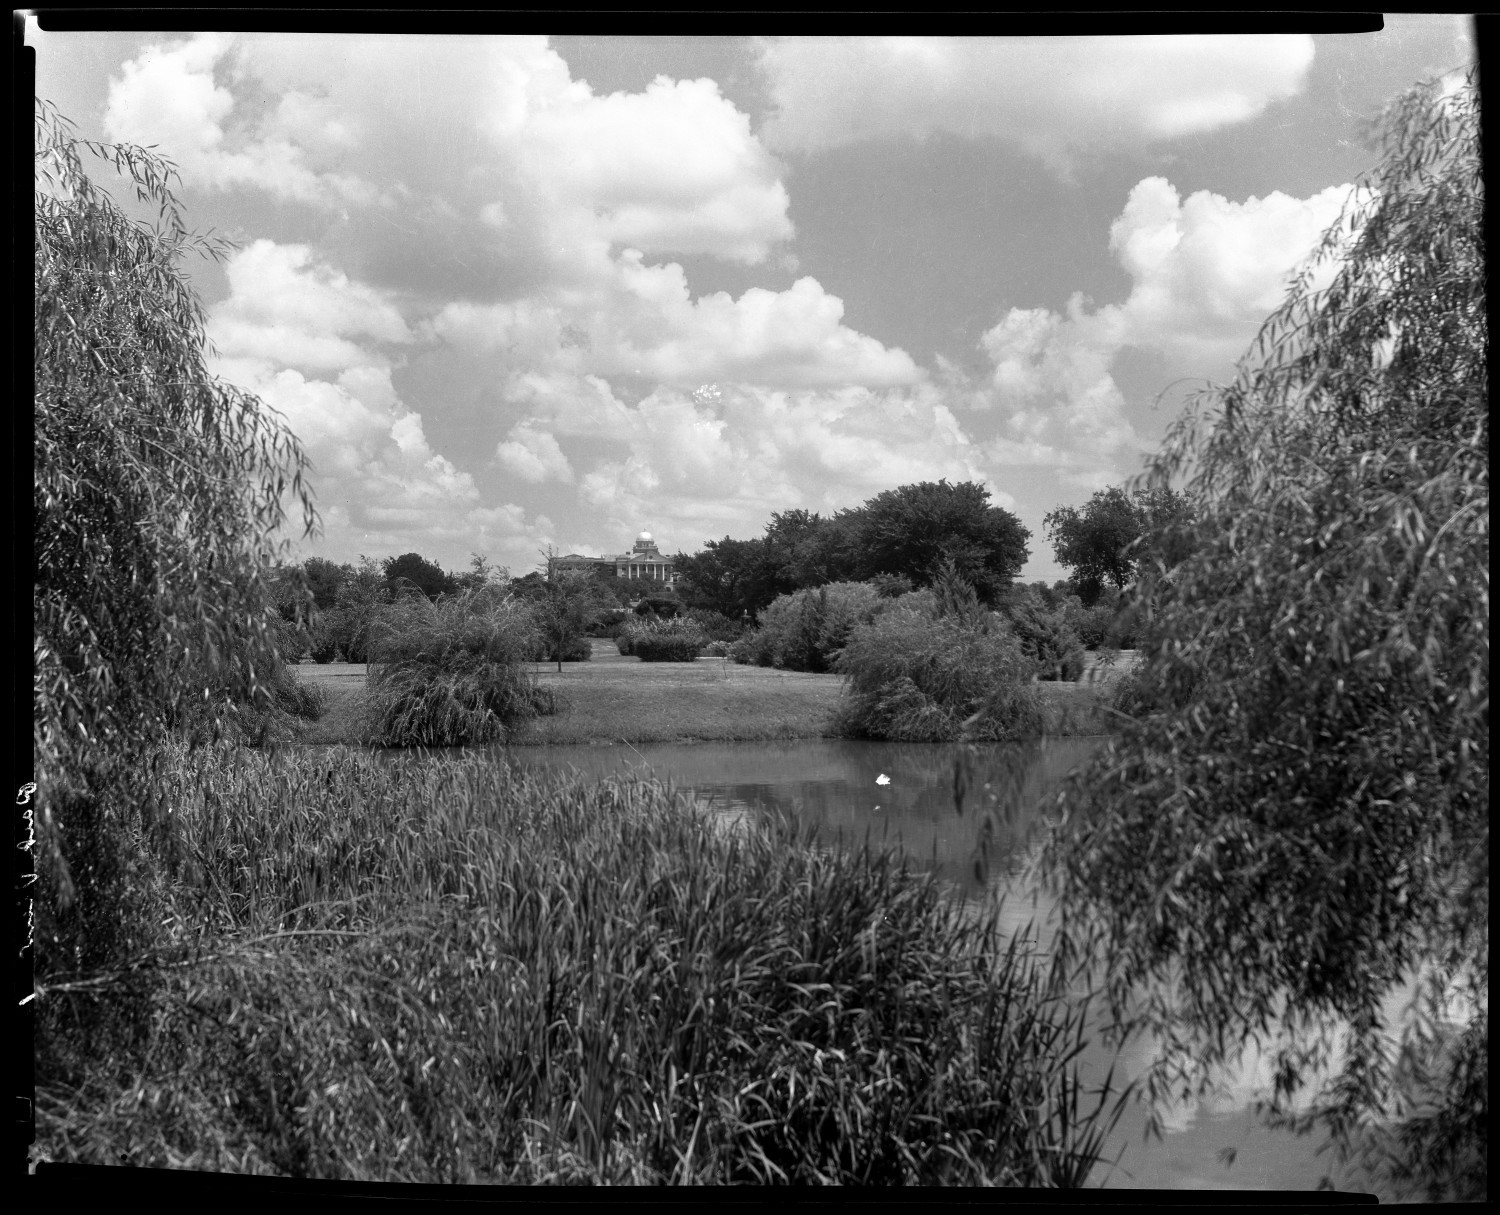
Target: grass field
613, 699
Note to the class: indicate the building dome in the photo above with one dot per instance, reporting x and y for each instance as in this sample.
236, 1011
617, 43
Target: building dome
643, 538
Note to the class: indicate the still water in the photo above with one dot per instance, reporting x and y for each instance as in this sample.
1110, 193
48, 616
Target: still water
972, 816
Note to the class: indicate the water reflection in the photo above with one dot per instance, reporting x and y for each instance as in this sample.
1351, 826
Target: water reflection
972, 815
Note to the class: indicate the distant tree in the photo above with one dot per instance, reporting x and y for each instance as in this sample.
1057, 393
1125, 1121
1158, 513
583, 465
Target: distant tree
1102, 542
357, 608
664, 606
733, 577
565, 607
480, 574
1296, 821
325, 580
913, 530
427, 576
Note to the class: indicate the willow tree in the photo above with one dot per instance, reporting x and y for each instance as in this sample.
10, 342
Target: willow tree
158, 496
1293, 825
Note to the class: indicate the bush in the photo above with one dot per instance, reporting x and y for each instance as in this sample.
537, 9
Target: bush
914, 676
574, 649
453, 672
805, 630
1047, 638
325, 642
716, 626
665, 606
668, 641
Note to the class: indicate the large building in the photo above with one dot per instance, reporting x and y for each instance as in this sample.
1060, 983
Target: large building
642, 561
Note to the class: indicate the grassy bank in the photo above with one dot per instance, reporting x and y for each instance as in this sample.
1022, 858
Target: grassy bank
439, 970
613, 698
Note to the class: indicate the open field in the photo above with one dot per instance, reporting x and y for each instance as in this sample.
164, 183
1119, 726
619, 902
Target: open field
613, 698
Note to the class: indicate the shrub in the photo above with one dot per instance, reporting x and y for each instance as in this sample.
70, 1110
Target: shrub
325, 642
665, 606
453, 672
1047, 638
668, 641
805, 630
914, 676
574, 649
716, 626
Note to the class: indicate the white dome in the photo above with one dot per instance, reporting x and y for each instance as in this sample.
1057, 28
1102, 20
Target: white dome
644, 536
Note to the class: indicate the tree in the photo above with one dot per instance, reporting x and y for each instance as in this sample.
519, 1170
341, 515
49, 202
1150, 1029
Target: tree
427, 576
733, 577
564, 606
914, 529
158, 497
1103, 542
325, 580
480, 574
1296, 821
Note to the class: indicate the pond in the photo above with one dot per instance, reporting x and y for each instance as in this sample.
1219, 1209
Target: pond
934, 801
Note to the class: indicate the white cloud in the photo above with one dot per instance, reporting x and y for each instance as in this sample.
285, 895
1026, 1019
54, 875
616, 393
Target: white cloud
1205, 272
1048, 95
639, 320
534, 456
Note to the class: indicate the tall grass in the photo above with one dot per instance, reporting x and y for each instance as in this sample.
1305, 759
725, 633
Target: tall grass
913, 676
453, 672
441, 970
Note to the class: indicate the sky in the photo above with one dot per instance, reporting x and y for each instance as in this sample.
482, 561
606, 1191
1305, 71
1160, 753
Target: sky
514, 293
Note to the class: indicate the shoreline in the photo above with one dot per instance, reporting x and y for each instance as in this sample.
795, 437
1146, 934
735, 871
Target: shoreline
613, 699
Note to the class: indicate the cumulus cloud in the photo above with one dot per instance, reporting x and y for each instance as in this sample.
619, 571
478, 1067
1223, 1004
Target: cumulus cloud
311, 343
642, 321
679, 459
1048, 95
534, 456
1205, 273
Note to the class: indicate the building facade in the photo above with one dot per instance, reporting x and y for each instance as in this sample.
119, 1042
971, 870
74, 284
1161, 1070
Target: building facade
642, 561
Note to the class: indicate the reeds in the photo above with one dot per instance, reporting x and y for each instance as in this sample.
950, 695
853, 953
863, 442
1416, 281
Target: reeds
441, 970
453, 672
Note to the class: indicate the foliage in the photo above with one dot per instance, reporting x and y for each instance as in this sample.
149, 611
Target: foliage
919, 674
1104, 541
1296, 822
480, 574
891, 586
415, 570
442, 971
912, 530
158, 495
1046, 635
664, 606
716, 626
804, 631
563, 607
732, 577
356, 610
324, 580
453, 672
675, 640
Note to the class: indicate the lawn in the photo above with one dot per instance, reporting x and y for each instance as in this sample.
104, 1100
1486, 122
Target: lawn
612, 698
